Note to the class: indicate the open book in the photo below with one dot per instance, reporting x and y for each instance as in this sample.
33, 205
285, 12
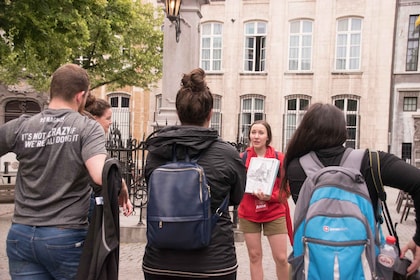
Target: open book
261, 175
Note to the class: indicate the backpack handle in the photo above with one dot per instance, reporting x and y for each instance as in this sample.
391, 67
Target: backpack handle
187, 156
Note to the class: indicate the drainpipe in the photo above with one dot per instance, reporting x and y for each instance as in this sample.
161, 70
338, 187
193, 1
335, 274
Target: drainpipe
391, 96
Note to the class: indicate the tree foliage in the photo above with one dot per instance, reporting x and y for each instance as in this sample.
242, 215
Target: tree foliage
119, 42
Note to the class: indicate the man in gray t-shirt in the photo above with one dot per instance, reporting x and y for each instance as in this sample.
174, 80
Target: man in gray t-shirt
59, 151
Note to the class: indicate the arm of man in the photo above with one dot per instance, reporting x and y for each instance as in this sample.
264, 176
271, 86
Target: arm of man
95, 166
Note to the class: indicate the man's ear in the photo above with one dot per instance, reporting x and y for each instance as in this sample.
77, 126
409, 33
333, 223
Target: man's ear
80, 96
210, 115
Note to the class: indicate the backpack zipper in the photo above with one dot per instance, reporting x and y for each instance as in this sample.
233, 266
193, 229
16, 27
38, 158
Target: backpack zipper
335, 243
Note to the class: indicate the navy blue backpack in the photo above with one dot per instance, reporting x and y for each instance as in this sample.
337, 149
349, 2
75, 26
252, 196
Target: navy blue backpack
178, 209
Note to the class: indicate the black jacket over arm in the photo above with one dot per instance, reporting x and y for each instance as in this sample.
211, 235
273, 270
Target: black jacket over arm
100, 256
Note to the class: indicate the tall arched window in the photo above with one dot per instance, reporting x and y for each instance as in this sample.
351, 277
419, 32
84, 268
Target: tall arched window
252, 109
255, 40
350, 107
412, 59
296, 106
120, 103
211, 46
300, 45
216, 118
348, 44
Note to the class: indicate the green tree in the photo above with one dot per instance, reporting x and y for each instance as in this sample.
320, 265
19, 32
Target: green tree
119, 42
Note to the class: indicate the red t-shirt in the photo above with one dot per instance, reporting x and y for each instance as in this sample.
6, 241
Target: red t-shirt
255, 210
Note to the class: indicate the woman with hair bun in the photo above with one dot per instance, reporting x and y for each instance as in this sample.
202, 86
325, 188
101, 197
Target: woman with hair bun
225, 175
99, 110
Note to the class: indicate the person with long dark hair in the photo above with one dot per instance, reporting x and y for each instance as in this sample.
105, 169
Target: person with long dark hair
323, 130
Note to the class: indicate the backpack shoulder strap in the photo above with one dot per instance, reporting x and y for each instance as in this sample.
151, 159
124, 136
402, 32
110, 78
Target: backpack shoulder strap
244, 156
352, 158
375, 169
376, 174
310, 163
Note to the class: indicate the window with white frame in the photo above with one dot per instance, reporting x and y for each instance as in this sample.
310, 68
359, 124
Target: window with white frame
120, 105
300, 45
348, 45
412, 60
252, 109
255, 43
211, 46
216, 118
410, 104
350, 107
296, 107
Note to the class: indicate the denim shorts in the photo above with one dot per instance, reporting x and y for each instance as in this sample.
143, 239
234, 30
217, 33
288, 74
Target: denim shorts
40, 253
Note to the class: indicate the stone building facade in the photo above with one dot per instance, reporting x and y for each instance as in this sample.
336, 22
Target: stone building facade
405, 85
270, 59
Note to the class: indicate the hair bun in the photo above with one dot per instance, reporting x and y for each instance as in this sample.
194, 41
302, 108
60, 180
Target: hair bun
90, 100
194, 80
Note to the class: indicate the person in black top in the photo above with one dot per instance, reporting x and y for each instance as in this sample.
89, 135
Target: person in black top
323, 130
225, 174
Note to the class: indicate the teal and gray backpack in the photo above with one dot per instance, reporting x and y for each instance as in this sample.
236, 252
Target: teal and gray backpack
336, 235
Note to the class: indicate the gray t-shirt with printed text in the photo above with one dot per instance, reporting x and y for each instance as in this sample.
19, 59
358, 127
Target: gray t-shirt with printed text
52, 181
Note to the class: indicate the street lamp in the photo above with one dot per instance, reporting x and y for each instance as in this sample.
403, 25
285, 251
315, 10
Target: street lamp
172, 13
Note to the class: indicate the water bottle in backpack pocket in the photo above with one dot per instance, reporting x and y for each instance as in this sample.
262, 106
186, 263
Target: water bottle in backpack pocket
387, 258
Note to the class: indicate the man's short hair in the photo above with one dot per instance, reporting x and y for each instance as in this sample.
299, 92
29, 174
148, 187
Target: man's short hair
68, 80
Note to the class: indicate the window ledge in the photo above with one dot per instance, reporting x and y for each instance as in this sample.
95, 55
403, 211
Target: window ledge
347, 73
253, 74
407, 73
214, 73
299, 73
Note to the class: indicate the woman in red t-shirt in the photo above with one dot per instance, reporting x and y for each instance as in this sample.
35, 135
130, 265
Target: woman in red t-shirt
258, 211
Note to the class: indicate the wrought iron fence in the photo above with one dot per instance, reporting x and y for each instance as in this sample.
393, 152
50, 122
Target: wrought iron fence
131, 154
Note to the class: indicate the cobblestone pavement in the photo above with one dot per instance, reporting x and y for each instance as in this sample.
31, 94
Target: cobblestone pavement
131, 254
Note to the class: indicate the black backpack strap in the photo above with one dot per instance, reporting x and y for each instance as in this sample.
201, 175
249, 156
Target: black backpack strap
219, 211
244, 157
375, 169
